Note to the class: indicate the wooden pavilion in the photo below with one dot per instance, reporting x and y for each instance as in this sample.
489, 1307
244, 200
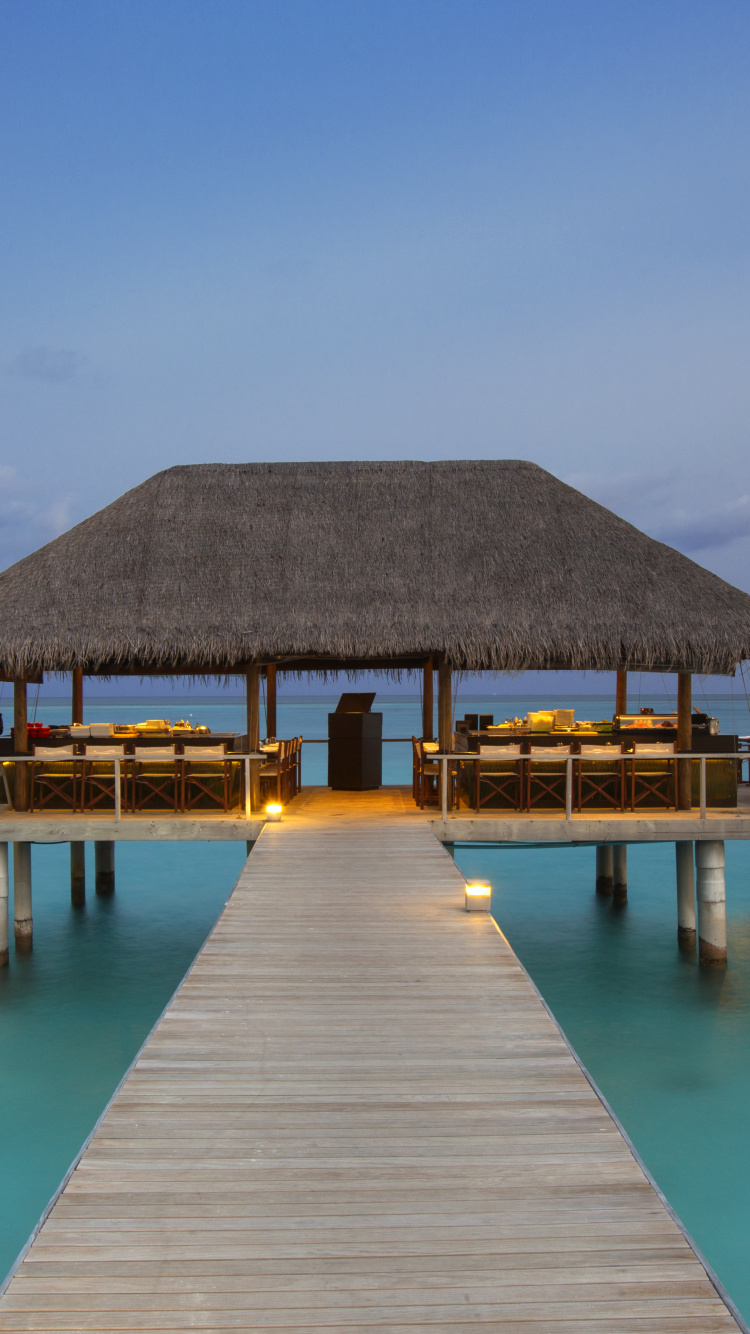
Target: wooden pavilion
472, 566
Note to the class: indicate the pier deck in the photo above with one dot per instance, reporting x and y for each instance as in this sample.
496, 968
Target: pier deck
356, 1114
320, 803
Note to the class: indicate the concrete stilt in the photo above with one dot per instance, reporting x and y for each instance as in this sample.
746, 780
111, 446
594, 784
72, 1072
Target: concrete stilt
604, 868
685, 896
78, 874
712, 907
4, 955
104, 860
23, 925
620, 872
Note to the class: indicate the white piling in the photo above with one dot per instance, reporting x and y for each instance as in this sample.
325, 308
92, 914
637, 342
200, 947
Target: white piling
685, 895
23, 925
104, 861
712, 905
620, 872
604, 868
4, 954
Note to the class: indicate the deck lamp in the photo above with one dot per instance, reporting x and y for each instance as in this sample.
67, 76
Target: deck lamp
273, 811
478, 895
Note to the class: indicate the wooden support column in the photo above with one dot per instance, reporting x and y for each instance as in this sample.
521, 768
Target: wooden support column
4, 953
620, 873
428, 702
104, 863
445, 706
77, 700
253, 732
621, 701
684, 740
23, 926
445, 721
685, 896
21, 743
78, 875
604, 869
271, 703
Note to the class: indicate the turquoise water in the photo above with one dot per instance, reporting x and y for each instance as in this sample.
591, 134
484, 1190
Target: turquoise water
74, 1013
668, 1043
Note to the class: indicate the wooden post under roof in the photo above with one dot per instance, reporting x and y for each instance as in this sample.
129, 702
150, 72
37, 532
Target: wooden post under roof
428, 702
684, 740
445, 709
271, 701
621, 702
21, 742
77, 696
445, 718
253, 731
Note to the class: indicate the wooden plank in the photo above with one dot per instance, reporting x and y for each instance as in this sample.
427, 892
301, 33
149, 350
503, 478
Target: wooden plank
356, 1113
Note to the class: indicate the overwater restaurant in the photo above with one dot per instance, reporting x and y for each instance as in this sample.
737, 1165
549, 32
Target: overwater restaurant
419, 570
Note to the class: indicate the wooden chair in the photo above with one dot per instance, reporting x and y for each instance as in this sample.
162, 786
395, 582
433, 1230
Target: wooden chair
599, 786
652, 774
155, 778
274, 774
205, 777
428, 778
546, 776
98, 777
504, 784
56, 781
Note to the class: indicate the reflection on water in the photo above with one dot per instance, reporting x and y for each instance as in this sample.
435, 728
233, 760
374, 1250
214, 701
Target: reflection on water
668, 1042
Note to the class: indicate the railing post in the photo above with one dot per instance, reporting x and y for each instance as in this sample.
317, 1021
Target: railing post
444, 785
248, 803
117, 790
569, 788
703, 787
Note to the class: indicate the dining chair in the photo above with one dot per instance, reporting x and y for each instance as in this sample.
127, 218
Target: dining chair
546, 775
503, 786
98, 777
652, 774
273, 773
54, 781
155, 778
600, 777
205, 777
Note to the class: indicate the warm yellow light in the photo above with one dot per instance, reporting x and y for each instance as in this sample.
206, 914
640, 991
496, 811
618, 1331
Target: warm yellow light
478, 897
273, 811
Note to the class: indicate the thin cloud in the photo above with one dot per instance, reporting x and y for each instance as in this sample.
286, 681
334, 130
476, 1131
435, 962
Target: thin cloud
53, 365
718, 528
27, 520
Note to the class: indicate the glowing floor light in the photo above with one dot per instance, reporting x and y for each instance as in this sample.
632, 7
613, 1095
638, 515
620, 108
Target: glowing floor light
478, 896
273, 811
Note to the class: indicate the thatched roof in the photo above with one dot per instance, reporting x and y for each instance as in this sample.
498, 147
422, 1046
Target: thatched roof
495, 563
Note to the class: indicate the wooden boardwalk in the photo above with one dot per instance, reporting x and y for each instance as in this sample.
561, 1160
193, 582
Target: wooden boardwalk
355, 1115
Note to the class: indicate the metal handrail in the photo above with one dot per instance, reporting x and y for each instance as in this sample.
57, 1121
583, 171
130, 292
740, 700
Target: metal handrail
474, 757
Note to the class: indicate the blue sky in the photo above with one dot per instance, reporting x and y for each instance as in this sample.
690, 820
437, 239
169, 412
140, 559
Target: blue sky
377, 229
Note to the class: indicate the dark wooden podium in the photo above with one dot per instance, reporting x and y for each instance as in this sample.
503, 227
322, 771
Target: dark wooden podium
355, 744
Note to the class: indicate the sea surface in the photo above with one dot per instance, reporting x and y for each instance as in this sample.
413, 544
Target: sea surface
667, 1042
